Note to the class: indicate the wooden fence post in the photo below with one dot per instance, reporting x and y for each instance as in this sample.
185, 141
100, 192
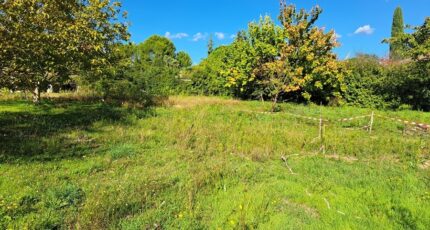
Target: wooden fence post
321, 130
372, 118
321, 135
321, 123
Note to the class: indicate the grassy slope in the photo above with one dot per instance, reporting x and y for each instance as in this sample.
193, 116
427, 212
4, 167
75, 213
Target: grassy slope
207, 163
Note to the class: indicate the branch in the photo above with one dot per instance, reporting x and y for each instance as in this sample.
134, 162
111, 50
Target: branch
285, 159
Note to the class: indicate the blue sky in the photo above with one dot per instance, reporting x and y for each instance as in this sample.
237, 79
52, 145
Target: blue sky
361, 24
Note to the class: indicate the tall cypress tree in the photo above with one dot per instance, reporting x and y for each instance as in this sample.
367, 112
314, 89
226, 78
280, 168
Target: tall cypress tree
397, 31
210, 45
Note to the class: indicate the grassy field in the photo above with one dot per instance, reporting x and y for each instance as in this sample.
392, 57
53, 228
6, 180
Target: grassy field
208, 163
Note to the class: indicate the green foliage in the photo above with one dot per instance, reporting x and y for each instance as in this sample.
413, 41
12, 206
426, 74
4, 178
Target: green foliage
398, 24
366, 82
122, 82
239, 69
145, 72
313, 69
294, 62
408, 81
409, 85
184, 59
156, 51
210, 44
419, 42
394, 86
252, 49
46, 41
397, 31
206, 78
159, 65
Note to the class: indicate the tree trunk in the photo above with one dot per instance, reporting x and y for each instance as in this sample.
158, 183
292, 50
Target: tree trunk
275, 101
36, 94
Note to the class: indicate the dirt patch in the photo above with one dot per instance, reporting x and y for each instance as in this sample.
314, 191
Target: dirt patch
189, 102
425, 165
388, 158
349, 159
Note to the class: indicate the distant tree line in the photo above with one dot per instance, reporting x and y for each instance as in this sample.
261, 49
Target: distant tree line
46, 42
403, 81
295, 62
145, 72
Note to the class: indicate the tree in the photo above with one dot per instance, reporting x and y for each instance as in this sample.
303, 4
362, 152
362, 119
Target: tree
251, 49
418, 43
184, 59
239, 68
156, 51
308, 56
46, 41
397, 31
206, 78
210, 45
293, 62
124, 81
157, 61
409, 82
144, 72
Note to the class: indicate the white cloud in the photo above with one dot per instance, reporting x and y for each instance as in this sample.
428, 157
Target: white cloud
233, 36
219, 35
337, 36
176, 36
199, 36
367, 29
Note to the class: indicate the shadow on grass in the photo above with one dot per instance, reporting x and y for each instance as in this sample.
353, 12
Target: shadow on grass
40, 133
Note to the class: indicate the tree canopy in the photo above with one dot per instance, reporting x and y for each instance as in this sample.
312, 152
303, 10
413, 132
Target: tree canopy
144, 72
294, 61
43, 41
184, 59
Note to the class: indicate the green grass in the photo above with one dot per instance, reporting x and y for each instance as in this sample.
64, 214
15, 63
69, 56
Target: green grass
208, 163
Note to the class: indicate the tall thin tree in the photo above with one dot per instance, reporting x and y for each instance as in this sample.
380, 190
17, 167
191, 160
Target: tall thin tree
397, 31
210, 45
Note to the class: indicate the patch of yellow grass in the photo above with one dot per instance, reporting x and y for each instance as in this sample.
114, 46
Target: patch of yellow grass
425, 165
182, 102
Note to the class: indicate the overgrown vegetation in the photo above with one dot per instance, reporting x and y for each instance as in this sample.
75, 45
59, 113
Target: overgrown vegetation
289, 62
145, 72
121, 151
295, 63
207, 163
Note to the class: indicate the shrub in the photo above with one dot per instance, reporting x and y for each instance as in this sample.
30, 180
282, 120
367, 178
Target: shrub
365, 82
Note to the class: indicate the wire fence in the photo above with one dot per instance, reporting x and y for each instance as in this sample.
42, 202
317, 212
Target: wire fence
409, 127
417, 126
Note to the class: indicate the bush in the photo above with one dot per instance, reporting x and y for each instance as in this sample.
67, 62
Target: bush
144, 73
124, 90
365, 82
408, 84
